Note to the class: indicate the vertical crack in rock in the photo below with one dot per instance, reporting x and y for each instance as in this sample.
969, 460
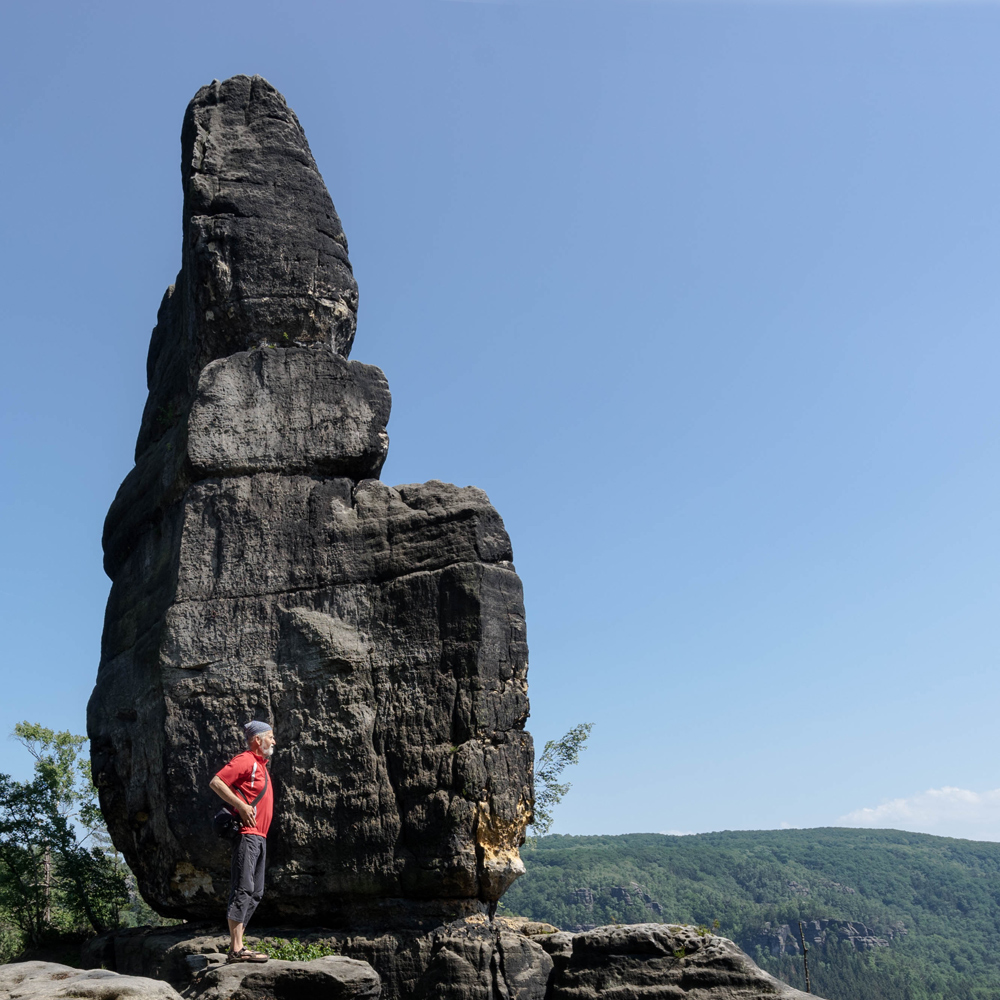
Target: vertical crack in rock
261, 569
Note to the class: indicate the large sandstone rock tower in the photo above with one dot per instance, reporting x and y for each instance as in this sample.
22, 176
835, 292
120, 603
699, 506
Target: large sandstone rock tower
260, 569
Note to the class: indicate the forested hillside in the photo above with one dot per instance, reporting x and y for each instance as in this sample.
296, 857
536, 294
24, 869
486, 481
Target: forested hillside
887, 915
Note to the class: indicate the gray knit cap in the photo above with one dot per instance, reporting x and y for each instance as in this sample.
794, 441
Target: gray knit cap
255, 728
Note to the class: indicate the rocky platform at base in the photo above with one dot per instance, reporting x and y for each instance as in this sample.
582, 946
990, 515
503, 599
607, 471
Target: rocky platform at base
329, 978
470, 959
50, 981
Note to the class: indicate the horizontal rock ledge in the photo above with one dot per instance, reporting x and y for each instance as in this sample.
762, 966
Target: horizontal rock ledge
474, 959
288, 411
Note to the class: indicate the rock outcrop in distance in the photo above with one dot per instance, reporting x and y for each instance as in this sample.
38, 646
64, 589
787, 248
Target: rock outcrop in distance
261, 570
820, 935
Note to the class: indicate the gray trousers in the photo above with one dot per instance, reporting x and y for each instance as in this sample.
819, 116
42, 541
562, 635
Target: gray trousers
246, 885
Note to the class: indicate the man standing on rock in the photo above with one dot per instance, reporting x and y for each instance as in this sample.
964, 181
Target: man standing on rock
244, 785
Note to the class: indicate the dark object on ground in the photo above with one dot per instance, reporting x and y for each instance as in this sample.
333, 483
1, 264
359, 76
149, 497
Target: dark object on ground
473, 959
261, 571
58, 949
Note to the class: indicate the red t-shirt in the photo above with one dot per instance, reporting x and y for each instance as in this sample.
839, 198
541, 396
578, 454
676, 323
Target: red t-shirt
245, 776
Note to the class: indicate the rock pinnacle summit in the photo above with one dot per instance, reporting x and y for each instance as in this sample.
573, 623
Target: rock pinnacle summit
260, 569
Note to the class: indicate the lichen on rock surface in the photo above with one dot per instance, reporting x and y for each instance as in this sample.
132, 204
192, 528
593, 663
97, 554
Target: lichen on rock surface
261, 570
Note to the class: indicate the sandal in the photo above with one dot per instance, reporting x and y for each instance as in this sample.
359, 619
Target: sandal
245, 955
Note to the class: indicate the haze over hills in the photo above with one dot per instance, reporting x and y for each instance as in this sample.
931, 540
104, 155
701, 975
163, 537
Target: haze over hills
887, 915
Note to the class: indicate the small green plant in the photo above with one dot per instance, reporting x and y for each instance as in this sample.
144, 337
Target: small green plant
167, 416
294, 950
11, 943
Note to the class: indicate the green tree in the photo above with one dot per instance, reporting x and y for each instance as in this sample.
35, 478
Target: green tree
27, 835
54, 847
556, 756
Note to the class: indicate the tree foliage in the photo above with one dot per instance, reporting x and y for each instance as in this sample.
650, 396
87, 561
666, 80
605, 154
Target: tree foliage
555, 757
56, 865
934, 901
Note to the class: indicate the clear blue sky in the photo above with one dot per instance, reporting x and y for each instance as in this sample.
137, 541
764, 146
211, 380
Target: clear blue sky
703, 295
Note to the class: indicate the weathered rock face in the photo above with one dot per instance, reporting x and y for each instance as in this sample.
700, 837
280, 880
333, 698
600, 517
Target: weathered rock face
264, 257
472, 959
50, 981
662, 961
782, 939
261, 570
329, 978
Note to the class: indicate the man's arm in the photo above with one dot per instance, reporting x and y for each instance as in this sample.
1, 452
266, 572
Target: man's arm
247, 812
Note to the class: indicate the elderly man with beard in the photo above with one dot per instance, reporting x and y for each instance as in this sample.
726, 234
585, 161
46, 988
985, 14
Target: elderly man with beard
239, 784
